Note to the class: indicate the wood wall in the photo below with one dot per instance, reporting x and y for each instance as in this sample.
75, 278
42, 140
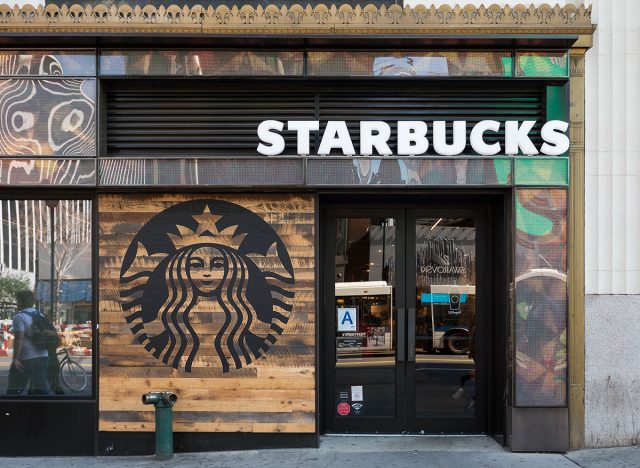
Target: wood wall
276, 393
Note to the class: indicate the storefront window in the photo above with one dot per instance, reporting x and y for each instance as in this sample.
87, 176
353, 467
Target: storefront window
382, 63
46, 307
201, 63
541, 297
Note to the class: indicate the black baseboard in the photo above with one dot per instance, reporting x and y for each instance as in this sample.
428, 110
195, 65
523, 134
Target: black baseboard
43, 428
143, 443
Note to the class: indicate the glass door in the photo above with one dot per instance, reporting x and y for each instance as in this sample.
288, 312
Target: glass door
403, 300
444, 379
364, 304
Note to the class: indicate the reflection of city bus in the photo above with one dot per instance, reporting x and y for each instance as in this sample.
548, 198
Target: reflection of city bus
371, 305
445, 317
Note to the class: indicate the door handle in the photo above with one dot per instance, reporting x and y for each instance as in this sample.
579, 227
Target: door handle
400, 333
411, 335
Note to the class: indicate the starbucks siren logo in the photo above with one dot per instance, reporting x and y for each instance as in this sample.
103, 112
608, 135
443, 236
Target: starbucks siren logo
207, 279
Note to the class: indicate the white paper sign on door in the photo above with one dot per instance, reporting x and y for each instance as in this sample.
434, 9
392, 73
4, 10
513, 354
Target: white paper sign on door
356, 393
347, 319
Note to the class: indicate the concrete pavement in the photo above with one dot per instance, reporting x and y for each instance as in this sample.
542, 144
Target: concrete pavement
364, 452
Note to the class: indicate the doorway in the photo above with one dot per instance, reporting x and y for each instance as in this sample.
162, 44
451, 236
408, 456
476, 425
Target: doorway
406, 311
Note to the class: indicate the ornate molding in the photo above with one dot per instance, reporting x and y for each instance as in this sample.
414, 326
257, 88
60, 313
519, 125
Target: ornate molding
299, 20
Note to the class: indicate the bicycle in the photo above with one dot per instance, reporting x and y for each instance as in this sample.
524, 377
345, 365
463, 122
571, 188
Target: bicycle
72, 374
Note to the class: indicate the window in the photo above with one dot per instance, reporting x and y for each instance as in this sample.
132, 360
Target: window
46, 269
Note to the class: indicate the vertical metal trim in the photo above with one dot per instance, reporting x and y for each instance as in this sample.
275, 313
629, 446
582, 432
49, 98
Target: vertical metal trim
511, 398
318, 321
576, 261
95, 269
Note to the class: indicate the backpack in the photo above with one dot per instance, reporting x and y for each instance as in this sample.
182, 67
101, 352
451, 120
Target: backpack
42, 333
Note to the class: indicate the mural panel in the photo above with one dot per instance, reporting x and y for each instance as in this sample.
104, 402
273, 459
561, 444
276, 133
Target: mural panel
394, 63
541, 297
15, 172
47, 63
47, 117
201, 63
213, 298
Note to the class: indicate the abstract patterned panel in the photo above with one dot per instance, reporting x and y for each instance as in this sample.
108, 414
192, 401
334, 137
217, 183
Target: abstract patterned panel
541, 298
350, 63
201, 63
408, 171
541, 171
47, 63
242, 172
31, 172
542, 64
52, 117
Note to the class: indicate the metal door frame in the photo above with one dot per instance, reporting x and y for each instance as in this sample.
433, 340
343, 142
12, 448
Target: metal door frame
488, 259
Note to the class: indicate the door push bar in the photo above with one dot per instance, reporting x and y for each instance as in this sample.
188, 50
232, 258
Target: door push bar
401, 334
411, 335
406, 340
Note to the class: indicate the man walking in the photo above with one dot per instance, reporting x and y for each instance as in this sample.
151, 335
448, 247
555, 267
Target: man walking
29, 361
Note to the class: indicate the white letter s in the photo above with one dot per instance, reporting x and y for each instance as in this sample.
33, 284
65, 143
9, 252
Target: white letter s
556, 141
267, 135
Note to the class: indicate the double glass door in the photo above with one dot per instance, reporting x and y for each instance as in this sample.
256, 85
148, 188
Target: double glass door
403, 321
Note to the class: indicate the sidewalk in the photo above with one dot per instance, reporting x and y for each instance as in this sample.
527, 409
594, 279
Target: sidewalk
364, 452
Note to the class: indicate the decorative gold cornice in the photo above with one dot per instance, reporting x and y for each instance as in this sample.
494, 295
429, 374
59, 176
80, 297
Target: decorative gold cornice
299, 20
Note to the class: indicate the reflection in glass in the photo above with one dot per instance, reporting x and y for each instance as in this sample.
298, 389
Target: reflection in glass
445, 318
47, 63
202, 171
201, 63
45, 268
414, 63
365, 315
408, 171
541, 297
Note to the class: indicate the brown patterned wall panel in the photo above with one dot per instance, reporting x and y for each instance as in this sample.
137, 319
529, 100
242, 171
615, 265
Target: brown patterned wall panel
212, 297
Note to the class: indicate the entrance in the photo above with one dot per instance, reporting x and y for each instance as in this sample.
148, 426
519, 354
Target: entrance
406, 294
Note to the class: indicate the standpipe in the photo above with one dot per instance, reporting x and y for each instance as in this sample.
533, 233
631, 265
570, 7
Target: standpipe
163, 402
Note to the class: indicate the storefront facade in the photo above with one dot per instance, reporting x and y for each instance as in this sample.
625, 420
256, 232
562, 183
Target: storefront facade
302, 221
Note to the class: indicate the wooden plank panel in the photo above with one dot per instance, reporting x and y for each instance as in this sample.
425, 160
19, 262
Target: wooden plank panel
210, 427
162, 241
133, 384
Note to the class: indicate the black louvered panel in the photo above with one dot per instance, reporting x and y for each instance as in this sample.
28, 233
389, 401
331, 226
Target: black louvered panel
182, 121
187, 122
470, 105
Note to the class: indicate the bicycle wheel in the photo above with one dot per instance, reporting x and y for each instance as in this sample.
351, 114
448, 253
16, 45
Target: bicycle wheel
73, 376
